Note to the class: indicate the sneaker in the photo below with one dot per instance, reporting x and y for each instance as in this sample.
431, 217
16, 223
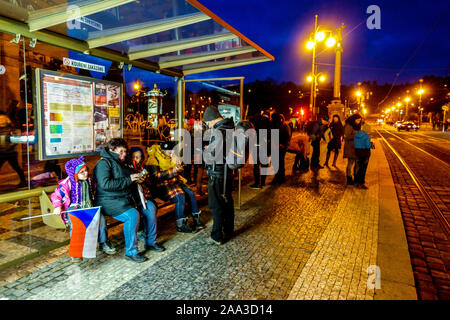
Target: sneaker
155, 247
108, 248
255, 186
185, 228
362, 186
212, 241
136, 258
76, 259
197, 222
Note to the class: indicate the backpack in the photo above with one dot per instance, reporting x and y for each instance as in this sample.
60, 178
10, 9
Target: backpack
238, 154
362, 140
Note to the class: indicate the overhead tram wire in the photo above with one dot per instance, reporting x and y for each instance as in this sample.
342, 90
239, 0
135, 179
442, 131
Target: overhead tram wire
414, 53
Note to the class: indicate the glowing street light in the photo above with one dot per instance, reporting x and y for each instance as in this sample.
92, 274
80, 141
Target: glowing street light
320, 36
317, 36
330, 42
309, 78
322, 78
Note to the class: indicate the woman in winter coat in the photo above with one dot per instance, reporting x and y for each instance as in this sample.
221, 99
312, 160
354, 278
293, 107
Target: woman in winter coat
76, 192
352, 126
115, 187
337, 130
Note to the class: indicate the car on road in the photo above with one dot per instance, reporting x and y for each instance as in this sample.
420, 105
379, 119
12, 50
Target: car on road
408, 125
397, 124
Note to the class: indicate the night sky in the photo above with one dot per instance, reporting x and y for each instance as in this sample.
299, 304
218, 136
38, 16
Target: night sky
283, 27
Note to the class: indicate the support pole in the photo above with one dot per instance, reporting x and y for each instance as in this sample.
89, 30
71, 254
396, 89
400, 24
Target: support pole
241, 104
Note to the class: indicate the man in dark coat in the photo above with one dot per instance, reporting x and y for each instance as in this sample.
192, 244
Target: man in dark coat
7, 152
220, 178
285, 137
315, 130
261, 121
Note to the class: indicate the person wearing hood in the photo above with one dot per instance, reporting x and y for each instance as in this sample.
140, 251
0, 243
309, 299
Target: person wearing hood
352, 126
115, 193
220, 178
76, 192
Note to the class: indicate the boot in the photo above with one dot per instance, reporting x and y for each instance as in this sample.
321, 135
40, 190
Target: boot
350, 181
197, 223
183, 227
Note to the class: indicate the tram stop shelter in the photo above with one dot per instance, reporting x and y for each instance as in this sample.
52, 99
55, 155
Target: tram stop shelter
172, 37
176, 38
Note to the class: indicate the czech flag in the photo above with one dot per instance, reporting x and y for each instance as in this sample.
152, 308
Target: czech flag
85, 225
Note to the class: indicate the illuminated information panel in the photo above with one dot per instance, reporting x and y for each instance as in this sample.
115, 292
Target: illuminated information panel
76, 115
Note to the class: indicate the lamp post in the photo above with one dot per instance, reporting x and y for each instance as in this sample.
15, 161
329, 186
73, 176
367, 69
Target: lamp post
407, 99
317, 36
314, 79
420, 92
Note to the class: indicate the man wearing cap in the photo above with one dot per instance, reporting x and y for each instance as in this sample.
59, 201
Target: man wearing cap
220, 178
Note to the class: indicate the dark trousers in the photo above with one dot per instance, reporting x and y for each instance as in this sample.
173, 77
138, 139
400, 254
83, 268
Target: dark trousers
11, 157
259, 179
362, 163
280, 176
300, 163
315, 154
222, 208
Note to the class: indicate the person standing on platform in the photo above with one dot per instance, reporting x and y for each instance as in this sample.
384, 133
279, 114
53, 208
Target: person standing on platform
261, 121
337, 130
362, 145
352, 126
315, 133
7, 152
220, 180
285, 137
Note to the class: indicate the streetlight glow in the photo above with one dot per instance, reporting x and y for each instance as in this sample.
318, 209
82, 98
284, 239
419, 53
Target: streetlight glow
421, 91
309, 78
407, 99
320, 36
310, 44
330, 42
322, 78
358, 93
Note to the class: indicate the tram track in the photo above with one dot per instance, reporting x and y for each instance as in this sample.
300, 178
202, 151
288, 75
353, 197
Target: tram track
442, 219
422, 183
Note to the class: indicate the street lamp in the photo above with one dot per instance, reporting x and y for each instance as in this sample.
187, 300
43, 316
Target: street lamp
420, 92
318, 36
315, 79
407, 99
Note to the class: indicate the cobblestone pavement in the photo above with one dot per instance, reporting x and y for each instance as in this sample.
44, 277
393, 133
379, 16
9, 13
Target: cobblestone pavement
429, 246
311, 238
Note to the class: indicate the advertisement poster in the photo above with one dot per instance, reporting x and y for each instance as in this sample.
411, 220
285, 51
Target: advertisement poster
78, 115
68, 109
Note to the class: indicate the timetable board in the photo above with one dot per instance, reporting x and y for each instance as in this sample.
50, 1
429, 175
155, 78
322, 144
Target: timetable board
76, 115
